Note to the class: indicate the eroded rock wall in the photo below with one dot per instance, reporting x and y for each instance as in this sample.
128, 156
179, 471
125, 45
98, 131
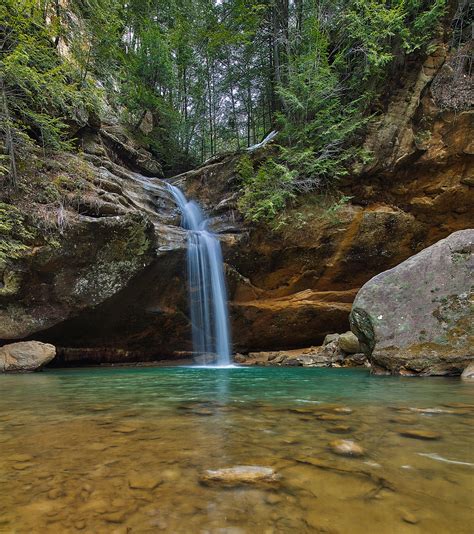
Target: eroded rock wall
113, 287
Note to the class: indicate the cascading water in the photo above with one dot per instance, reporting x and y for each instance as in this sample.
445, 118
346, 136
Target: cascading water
207, 289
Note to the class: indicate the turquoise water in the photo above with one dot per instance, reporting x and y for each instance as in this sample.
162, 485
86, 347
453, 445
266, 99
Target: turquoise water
73, 443
155, 387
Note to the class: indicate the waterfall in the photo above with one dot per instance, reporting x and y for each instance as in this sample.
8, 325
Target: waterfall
206, 283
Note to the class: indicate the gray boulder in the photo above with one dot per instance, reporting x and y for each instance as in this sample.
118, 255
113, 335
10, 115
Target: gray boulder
25, 356
417, 318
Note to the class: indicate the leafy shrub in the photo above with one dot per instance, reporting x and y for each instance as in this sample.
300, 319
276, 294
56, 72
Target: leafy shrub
265, 192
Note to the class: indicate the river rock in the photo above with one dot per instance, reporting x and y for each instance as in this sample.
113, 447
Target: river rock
420, 434
468, 373
349, 343
25, 356
346, 447
330, 337
145, 481
240, 474
417, 317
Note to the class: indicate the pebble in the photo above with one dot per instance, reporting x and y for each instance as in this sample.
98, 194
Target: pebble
115, 517
124, 429
330, 417
420, 434
410, 518
343, 409
145, 481
346, 447
240, 474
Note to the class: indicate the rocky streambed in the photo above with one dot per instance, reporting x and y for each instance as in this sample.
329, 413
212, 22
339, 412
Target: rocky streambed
245, 450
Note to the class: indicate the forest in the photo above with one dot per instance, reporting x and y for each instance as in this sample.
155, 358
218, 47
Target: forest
216, 76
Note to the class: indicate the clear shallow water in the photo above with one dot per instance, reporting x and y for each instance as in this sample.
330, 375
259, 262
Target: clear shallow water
75, 444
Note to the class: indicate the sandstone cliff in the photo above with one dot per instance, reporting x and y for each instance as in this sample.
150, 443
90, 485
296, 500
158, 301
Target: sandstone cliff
103, 276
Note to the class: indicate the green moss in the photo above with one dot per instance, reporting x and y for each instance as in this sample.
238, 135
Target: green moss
15, 236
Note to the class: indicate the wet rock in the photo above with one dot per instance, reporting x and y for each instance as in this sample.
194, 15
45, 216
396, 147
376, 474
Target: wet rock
330, 338
420, 434
343, 409
340, 429
346, 447
115, 517
25, 356
349, 343
416, 318
145, 481
125, 429
356, 360
241, 474
468, 373
409, 517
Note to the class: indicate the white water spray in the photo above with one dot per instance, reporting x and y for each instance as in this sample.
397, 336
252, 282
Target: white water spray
206, 283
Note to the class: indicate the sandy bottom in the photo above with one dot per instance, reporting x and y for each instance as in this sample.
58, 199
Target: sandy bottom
112, 457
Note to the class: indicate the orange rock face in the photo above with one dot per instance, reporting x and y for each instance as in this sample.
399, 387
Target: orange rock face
291, 287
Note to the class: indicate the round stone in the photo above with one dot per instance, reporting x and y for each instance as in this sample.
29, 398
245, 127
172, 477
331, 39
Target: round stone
346, 447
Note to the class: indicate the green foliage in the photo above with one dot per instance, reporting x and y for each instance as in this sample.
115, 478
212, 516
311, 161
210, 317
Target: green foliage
215, 76
266, 192
376, 33
14, 234
41, 92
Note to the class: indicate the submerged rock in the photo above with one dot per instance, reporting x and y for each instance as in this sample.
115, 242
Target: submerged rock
417, 317
420, 434
25, 356
346, 447
144, 481
240, 474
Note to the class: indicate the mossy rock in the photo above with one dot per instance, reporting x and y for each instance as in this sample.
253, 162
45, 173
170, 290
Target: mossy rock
417, 318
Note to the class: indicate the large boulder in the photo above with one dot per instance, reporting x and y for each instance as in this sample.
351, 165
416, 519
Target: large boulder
25, 356
417, 317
